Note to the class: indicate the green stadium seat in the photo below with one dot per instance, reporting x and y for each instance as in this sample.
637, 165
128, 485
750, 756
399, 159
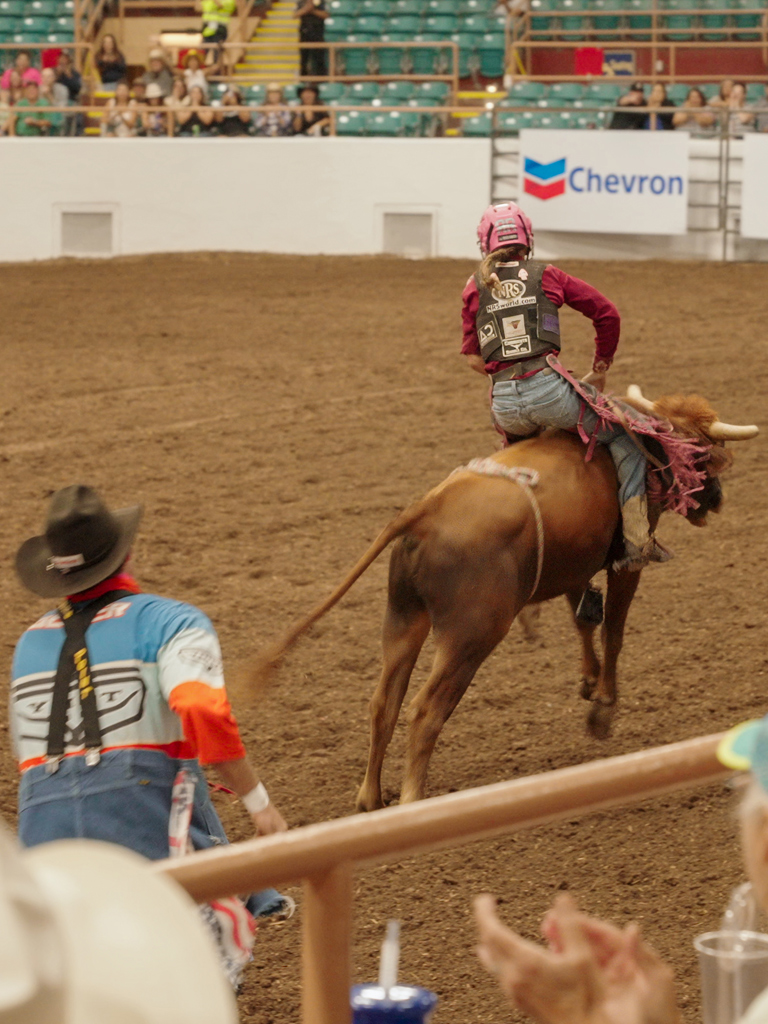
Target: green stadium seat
473, 24
256, 94
386, 123
423, 59
363, 91
525, 90
479, 126
678, 28
36, 26
414, 124
12, 8
482, 7
545, 119
391, 61
467, 56
566, 92
607, 91
604, 26
374, 8
509, 123
414, 8
638, 22
28, 38
329, 91
715, 24
343, 8
368, 25
440, 26
755, 92
677, 92
40, 9
395, 93
571, 21
357, 60
353, 122
746, 21
542, 19
338, 27
65, 7
491, 50
584, 119
710, 89
66, 23
439, 91
7, 25
408, 24
449, 8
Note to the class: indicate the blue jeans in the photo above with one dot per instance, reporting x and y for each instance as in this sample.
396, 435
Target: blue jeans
125, 799
548, 400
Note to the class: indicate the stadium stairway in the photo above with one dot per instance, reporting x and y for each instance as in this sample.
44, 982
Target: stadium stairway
281, 64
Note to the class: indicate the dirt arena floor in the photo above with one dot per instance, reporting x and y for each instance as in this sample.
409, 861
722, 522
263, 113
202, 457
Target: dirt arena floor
272, 414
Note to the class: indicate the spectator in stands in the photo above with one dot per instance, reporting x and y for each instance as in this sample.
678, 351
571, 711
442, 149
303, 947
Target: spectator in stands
153, 121
179, 95
312, 15
23, 66
158, 73
216, 18
15, 86
6, 117
52, 91
760, 109
276, 119
630, 119
721, 100
740, 117
71, 79
121, 115
310, 122
195, 122
110, 63
692, 117
232, 122
659, 98
194, 72
596, 973
32, 125
139, 92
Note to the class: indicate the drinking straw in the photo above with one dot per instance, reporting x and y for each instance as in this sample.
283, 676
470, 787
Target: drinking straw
390, 956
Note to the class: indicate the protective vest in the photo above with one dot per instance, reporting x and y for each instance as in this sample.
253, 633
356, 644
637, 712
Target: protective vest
215, 14
516, 320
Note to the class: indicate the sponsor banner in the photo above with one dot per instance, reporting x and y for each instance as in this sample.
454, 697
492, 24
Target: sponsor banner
754, 205
619, 182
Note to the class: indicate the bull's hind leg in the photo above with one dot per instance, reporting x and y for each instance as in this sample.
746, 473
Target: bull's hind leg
621, 589
406, 625
590, 663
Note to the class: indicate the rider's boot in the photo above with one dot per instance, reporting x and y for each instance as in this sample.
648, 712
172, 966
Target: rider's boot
640, 545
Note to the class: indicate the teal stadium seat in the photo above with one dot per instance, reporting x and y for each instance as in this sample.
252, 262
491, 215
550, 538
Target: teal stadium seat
755, 92
368, 25
375, 8
343, 8
357, 60
440, 26
391, 60
414, 8
479, 126
677, 27
433, 91
710, 89
526, 93
608, 92
329, 90
491, 50
423, 59
472, 24
565, 92
640, 23
362, 92
414, 124
543, 18
481, 7
449, 8
351, 123
36, 26
7, 25
408, 24
508, 123
713, 27
677, 92
605, 26
746, 21
385, 123
573, 24
394, 94
255, 94
64, 24
12, 8
468, 60
338, 27
65, 7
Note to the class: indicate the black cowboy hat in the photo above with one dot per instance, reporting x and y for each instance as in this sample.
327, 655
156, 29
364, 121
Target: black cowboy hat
83, 544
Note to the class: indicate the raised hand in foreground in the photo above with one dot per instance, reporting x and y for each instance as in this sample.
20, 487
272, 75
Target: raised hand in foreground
592, 973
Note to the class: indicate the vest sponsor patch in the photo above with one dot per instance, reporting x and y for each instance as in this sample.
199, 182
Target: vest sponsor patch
508, 290
486, 333
494, 307
551, 323
513, 326
514, 347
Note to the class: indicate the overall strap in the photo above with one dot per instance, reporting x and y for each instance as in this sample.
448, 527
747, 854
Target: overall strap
73, 659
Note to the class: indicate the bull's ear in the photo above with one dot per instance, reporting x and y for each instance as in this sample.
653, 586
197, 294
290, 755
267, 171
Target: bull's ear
636, 397
731, 432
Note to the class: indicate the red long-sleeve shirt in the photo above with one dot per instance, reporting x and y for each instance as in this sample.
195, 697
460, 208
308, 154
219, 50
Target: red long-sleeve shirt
562, 289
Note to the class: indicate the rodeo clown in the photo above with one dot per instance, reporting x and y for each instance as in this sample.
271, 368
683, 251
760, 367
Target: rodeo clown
116, 694
511, 331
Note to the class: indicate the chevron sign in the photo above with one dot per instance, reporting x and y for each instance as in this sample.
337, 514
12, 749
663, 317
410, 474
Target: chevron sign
545, 181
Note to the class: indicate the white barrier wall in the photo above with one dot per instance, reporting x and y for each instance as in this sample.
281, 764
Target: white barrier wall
255, 195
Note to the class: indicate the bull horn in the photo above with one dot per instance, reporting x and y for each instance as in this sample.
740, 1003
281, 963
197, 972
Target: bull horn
730, 432
634, 394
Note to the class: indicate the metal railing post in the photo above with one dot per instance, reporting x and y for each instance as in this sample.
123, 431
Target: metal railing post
327, 947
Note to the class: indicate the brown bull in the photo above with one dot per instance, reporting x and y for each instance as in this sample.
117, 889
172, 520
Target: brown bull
468, 558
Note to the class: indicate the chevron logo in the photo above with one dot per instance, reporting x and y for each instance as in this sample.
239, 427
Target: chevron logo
545, 181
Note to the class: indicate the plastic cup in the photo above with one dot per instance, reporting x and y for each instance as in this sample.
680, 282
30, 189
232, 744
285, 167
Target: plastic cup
734, 971
401, 1004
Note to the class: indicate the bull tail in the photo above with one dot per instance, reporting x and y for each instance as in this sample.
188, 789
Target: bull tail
268, 661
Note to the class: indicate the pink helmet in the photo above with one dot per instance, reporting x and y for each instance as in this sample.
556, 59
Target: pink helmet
504, 225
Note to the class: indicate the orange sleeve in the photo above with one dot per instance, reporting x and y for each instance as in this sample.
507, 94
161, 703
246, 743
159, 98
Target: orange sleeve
208, 723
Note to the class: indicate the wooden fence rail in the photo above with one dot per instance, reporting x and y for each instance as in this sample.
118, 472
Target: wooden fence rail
323, 856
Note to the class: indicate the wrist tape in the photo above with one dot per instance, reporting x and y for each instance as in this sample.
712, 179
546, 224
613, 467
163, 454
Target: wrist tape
257, 800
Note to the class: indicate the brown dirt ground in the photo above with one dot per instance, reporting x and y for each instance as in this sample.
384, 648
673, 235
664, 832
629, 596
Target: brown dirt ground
272, 414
